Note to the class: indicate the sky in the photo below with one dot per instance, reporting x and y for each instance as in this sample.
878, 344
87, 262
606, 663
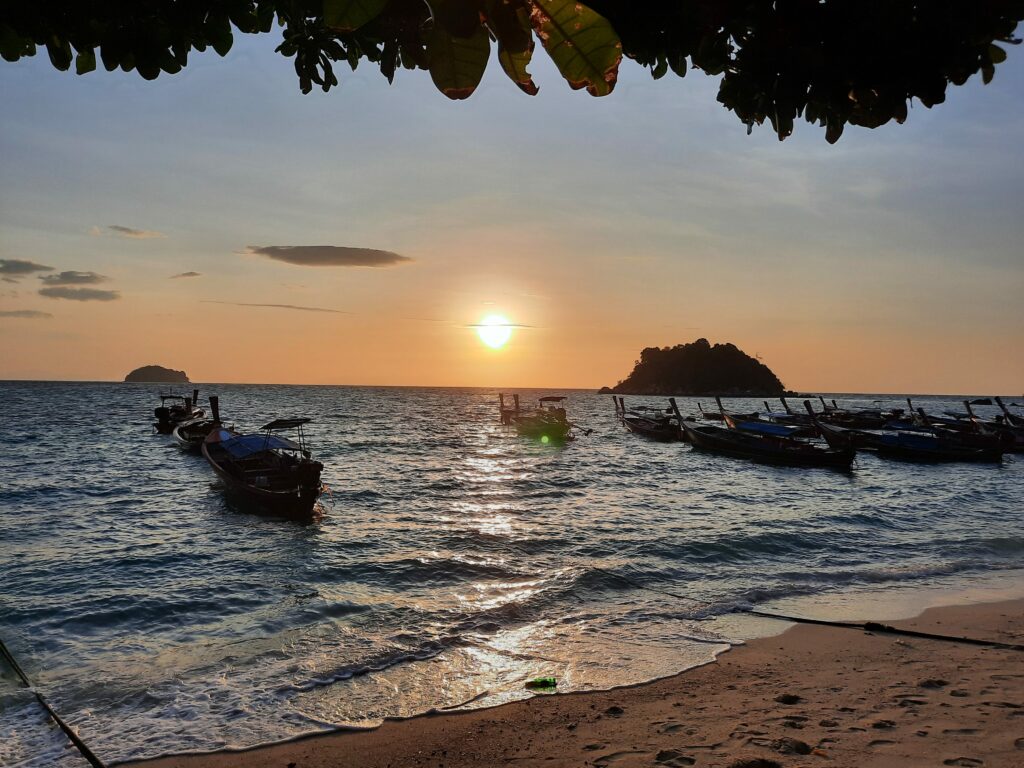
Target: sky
178, 219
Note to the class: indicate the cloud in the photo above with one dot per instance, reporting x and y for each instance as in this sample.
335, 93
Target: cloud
118, 231
30, 313
327, 255
498, 325
79, 294
186, 274
73, 277
278, 306
13, 270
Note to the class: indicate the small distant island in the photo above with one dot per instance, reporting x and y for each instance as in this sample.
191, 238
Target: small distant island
699, 369
157, 373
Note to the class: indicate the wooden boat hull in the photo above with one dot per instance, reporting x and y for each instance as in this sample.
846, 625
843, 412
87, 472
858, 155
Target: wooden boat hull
660, 431
190, 435
543, 429
296, 503
910, 446
168, 418
781, 452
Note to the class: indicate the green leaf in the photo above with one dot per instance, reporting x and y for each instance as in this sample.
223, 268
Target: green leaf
515, 65
515, 42
996, 54
85, 61
582, 44
457, 64
350, 15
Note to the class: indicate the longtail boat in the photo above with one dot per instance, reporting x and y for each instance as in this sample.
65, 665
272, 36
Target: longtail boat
176, 409
768, 449
189, 435
648, 421
907, 446
547, 423
266, 471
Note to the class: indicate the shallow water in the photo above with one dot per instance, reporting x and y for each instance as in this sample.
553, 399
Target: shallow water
454, 560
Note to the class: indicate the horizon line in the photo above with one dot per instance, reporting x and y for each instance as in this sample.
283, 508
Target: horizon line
593, 390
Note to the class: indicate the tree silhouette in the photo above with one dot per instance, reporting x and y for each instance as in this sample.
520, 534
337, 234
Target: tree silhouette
832, 62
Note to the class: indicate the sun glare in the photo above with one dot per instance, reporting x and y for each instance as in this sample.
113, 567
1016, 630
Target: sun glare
494, 331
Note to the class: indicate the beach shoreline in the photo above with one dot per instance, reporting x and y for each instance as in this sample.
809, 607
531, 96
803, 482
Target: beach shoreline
861, 699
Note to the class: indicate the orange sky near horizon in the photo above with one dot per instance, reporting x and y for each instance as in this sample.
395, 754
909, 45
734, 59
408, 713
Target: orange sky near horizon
569, 341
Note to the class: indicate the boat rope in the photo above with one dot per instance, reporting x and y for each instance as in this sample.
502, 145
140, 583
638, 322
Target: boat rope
874, 626
80, 745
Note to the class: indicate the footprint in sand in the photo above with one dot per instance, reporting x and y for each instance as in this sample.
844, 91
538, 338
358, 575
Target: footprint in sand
880, 743
673, 758
960, 730
671, 728
1019, 743
963, 761
614, 757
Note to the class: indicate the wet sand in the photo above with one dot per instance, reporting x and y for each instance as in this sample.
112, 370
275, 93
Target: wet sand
811, 696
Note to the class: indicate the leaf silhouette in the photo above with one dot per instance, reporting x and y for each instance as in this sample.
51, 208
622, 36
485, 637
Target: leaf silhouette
457, 64
581, 42
350, 15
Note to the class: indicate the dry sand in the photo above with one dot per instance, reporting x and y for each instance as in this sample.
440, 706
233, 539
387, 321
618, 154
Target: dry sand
813, 696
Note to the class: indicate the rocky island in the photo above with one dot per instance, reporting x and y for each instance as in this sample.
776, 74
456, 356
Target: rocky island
699, 369
158, 374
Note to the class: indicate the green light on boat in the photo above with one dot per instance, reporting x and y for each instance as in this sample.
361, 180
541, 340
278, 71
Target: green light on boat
544, 439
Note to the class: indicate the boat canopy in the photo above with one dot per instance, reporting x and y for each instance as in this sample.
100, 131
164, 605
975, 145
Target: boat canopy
767, 428
552, 399
247, 445
285, 424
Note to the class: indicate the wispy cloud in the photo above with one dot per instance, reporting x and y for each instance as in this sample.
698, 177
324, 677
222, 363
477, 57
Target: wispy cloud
12, 270
79, 294
278, 306
73, 277
27, 313
498, 325
186, 274
327, 255
117, 230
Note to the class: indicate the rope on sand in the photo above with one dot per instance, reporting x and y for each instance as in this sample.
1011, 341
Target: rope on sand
874, 626
80, 745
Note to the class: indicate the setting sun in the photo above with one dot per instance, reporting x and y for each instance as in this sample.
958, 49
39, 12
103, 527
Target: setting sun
494, 331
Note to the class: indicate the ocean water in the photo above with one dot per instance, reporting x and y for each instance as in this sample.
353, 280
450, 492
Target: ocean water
454, 560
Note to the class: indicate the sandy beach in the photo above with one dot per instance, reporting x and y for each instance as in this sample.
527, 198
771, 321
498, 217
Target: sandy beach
810, 696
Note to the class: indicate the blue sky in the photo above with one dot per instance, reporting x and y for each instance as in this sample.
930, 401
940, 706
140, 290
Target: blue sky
888, 262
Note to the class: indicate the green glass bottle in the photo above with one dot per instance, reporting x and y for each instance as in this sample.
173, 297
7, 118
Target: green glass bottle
542, 682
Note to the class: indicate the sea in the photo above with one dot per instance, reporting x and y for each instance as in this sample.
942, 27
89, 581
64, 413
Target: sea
452, 562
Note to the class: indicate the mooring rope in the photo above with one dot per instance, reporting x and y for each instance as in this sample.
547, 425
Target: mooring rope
80, 745
874, 626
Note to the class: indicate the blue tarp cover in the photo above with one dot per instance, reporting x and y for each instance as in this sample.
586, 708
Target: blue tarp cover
761, 428
247, 445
